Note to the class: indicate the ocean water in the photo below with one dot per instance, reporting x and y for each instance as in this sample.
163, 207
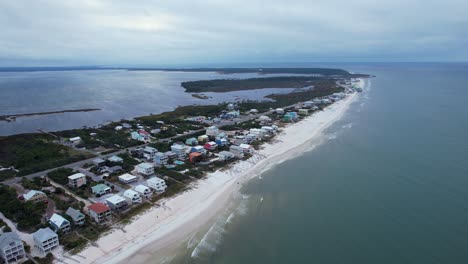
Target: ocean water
388, 185
120, 94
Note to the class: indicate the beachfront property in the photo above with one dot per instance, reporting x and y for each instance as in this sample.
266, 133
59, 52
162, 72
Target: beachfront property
237, 151
45, 240
222, 142
191, 141
258, 132
116, 203
145, 169
144, 191
195, 157
59, 223
170, 155
160, 159
157, 184
127, 178
35, 196
99, 162
179, 150
115, 159
11, 247
210, 145
198, 149
303, 112
203, 138
118, 128
246, 148
77, 217
132, 196
279, 111
101, 189
76, 180
149, 152
212, 131
75, 140
270, 129
100, 212
226, 155
264, 120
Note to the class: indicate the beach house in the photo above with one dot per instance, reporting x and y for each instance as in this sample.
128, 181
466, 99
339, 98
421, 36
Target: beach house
303, 112
132, 197
149, 152
59, 223
212, 131
179, 150
11, 247
116, 203
145, 169
246, 148
160, 159
45, 240
237, 151
191, 141
195, 157
76, 180
198, 149
75, 140
99, 162
127, 178
115, 159
226, 155
77, 217
100, 212
222, 142
157, 184
35, 196
279, 111
101, 189
144, 191
203, 139
210, 145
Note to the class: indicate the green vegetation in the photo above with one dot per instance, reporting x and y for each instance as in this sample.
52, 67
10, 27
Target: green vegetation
7, 174
31, 153
27, 215
60, 176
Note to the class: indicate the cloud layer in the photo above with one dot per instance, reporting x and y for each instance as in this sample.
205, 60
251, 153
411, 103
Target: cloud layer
175, 32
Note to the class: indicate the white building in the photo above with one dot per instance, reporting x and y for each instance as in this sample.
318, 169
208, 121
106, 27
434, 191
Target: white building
116, 202
145, 169
180, 151
100, 212
77, 180
279, 111
45, 240
149, 152
132, 196
247, 148
237, 151
11, 247
144, 191
226, 155
59, 223
115, 159
160, 159
77, 217
127, 178
35, 196
212, 131
75, 140
157, 184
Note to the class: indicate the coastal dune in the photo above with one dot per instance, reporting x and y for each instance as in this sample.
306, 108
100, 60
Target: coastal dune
180, 217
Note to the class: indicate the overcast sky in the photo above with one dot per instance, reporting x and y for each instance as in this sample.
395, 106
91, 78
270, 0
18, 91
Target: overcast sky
176, 32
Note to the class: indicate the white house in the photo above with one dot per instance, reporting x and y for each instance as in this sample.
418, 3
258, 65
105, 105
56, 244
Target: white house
116, 202
77, 180
180, 150
11, 247
212, 131
226, 155
157, 184
160, 159
58, 223
115, 159
75, 140
149, 152
237, 151
127, 178
132, 196
45, 240
279, 111
247, 148
145, 169
35, 196
144, 191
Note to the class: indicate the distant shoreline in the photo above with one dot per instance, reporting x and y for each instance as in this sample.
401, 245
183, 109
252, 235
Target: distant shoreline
11, 118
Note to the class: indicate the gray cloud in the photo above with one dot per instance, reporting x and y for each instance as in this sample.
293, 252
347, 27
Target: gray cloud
170, 32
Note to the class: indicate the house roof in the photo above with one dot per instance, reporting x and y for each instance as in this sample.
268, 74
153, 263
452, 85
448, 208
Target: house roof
76, 176
115, 199
127, 177
58, 220
99, 208
7, 238
115, 159
99, 187
130, 193
144, 166
75, 139
195, 154
31, 193
98, 160
226, 153
44, 234
154, 180
74, 214
141, 188
245, 146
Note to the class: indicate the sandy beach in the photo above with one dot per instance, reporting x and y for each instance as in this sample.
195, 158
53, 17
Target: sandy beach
180, 216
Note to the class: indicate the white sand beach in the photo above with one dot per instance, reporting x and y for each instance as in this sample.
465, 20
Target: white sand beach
181, 216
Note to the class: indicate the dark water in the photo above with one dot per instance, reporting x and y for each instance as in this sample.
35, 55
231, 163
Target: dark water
389, 185
120, 94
